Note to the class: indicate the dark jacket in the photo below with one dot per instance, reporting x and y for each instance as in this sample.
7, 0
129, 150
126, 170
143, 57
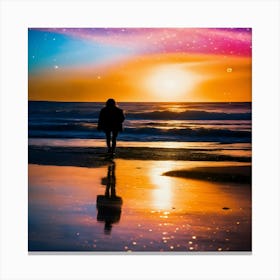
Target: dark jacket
110, 119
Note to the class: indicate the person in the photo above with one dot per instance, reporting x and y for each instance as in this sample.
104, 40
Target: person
110, 121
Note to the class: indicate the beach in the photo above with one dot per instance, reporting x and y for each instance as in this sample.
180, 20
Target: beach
166, 200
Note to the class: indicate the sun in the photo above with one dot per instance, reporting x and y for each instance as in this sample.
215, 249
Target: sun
169, 82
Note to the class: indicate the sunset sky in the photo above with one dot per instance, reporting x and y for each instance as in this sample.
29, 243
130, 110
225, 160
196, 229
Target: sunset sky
140, 64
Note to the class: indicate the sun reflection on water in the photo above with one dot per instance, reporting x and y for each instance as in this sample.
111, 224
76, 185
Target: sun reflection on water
162, 194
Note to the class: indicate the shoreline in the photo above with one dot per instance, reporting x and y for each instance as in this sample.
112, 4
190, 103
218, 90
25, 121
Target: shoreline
96, 156
100, 143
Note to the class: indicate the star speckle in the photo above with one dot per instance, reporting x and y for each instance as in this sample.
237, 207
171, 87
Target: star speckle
228, 41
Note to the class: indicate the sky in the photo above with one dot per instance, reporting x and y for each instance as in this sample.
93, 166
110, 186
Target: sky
140, 64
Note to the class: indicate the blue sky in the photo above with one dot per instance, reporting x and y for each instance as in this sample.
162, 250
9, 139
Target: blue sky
47, 50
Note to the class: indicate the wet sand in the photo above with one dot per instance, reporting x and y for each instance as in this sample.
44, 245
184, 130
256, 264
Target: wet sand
232, 173
94, 157
156, 213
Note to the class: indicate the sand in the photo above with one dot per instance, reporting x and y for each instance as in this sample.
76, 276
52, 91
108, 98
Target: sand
94, 157
236, 174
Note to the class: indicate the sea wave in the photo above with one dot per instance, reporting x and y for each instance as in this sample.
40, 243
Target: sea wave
152, 115
205, 122
90, 111
190, 115
143, 133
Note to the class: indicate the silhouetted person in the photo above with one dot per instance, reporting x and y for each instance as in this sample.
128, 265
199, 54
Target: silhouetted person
110, 121
109, 205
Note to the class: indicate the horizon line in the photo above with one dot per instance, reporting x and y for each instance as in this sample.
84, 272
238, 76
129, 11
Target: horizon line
67, 101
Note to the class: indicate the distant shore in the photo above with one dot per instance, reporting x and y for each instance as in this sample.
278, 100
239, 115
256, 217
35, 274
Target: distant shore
233, 174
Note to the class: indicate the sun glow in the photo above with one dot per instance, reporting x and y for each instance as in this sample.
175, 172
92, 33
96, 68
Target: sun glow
162, 194
170, 82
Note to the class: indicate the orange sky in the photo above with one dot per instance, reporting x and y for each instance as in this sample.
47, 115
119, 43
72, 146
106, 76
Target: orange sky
207, 78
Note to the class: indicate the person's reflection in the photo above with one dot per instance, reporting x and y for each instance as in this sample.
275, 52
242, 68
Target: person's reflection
109, 205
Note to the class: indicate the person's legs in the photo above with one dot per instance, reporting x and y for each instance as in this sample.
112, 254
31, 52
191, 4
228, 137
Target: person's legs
113, 181
114, 139
108, 139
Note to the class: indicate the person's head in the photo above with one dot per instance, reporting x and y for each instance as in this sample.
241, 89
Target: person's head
110, 102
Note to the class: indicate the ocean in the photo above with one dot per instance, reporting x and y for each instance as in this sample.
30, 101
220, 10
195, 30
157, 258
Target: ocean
225, 123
